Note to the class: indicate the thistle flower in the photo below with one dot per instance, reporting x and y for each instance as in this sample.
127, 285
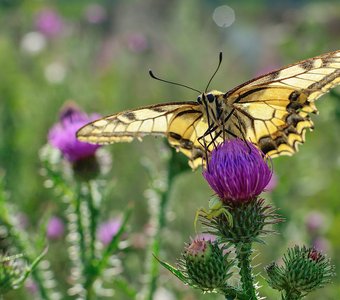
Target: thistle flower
304, 270
63, 134
206, 265
55, 228
315, 222
137, 42
95, 13
237, 171
49, 22
108, 230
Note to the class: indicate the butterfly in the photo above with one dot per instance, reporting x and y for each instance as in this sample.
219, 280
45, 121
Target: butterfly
271, 111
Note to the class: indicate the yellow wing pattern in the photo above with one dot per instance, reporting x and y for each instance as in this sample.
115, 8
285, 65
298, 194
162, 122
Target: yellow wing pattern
272, 111
182, 123
275, 107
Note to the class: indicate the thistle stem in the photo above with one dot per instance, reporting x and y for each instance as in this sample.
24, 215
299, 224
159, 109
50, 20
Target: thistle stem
153, 269
21, 241
80, 224
93, 199
243, 253
292, 295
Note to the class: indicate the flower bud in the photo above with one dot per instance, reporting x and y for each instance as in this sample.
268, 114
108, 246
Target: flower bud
250, 221
206, 265
304, 270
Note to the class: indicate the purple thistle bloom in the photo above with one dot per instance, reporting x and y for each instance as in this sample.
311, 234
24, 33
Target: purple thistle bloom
237, 171
108, 230
55, 228
315, 222
31, 286
63, 134
137, 42
49, 22
95, 13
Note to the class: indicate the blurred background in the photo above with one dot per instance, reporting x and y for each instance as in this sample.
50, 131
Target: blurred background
98, 53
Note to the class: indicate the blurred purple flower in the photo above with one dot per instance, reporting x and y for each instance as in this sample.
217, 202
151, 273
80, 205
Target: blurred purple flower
237, 171
95, 13
31, 286
55, 228
63, 134
321, 244
137, 42
272, 183
108, 230
49, 22
314, 222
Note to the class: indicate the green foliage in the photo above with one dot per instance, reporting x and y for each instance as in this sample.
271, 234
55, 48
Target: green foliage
105, 69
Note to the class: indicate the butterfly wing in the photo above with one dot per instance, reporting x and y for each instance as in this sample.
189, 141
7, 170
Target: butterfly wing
274, 109
182, 123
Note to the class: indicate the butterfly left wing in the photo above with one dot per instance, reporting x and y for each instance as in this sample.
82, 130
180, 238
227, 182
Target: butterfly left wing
274, 109
182, 123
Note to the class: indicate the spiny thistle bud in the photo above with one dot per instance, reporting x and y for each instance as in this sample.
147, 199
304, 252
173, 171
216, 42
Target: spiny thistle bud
249, 222
303, 270
11, 272
206, 265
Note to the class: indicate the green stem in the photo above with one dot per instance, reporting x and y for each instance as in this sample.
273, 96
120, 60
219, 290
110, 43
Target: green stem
22, 244
98, 266
80, 225
161, 222
231, 293
93, 199
292, 295
93, 203
243, 253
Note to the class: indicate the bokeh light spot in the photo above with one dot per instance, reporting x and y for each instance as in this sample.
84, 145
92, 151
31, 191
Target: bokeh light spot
224, 16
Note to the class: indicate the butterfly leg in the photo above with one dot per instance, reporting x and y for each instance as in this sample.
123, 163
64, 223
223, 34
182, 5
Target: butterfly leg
225, 121
209, 131
210, 125
242, 133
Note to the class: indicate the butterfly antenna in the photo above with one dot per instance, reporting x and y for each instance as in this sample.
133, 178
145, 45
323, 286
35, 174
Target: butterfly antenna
174, 83
213, 75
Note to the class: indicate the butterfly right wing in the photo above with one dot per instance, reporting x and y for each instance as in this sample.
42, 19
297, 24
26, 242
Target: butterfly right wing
182, 123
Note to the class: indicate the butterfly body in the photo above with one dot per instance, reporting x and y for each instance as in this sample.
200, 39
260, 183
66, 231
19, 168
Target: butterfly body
272, 111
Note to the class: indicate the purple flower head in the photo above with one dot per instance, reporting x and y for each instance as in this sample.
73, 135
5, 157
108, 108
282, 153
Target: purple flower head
49, 22
237, 171
31, 286
63, 134
137, 42
55, 228
315, 222
321, 244
108, 230
95, 13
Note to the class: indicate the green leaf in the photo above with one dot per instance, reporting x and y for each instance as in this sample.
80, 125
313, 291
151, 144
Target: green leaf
174, 271
30, 268
125, 287
97, 267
